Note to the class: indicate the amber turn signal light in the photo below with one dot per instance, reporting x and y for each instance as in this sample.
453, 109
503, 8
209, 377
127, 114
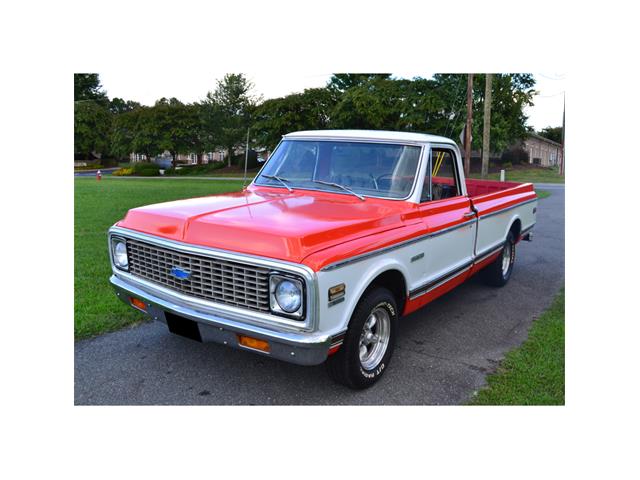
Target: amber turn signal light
139, 304
254, 343
336, 291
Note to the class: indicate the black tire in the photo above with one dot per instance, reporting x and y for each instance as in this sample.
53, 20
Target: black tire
494, 274
345, 366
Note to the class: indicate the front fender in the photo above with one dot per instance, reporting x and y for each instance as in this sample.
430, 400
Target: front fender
357, 277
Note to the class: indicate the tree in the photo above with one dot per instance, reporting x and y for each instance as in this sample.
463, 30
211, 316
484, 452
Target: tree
392, 104
92, 127
185, 129
310, 110
91, 117
230, 106
86, 86
511, 93
118, 105
552, 133
341, 82
125, 129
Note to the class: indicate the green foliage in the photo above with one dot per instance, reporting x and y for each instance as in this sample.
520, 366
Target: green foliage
92, 128
168, 125
342, 82
360, 101
86, 86
377, 101
511, 93
392, 104
309, 110
145, 169
252, 160
552, 133
139, 169
123, 172
118, 106
126, 127
516, 155
226, 112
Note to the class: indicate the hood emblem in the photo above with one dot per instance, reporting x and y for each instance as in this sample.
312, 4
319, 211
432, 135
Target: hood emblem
180, 274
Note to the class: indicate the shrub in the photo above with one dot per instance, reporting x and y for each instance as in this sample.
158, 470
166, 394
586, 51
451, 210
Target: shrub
515, 155
88, 166
139, 169
146, 169
252, 160
507, 165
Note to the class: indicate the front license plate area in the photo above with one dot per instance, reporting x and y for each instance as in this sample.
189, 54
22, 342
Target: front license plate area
183, 327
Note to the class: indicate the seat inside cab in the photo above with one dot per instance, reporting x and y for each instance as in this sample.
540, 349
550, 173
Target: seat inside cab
443, 175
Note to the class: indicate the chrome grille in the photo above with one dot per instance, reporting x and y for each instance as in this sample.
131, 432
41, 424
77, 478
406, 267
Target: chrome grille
212, 279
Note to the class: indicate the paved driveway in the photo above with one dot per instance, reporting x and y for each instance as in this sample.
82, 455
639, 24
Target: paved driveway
443, 355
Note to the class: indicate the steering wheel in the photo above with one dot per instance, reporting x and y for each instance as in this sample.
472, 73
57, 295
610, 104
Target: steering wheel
383, 176
375, 182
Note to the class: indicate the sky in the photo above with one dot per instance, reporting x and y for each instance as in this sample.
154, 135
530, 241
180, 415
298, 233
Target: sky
187, 88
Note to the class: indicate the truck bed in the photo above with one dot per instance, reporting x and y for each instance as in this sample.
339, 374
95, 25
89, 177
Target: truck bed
476, 188
480, 191
488, 195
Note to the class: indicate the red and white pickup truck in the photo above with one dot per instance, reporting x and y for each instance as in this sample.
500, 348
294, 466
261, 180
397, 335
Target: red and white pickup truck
340, 235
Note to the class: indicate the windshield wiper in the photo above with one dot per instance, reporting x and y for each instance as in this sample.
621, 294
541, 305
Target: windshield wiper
283, 181
346, 189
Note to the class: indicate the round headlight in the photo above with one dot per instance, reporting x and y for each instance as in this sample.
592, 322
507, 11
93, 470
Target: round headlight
120, 254
289, 296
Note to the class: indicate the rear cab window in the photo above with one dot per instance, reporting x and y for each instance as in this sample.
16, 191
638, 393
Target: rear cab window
441, 180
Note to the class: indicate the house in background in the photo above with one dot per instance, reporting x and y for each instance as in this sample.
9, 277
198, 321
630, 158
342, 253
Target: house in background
181, 158
542, 151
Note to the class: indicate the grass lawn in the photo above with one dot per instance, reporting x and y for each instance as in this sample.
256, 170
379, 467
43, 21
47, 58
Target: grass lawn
532, 374
543, 193
524, 174
98, 205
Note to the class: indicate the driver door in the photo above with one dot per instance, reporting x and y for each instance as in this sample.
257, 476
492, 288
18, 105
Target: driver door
449, 221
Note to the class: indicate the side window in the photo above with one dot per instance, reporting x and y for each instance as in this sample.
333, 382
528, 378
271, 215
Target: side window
444, 181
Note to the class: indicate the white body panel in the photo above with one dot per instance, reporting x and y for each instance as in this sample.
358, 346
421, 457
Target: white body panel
492, 230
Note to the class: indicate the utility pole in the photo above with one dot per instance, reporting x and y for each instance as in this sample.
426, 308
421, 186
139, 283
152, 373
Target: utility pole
246, 160
486, 127
467, 129
562, 161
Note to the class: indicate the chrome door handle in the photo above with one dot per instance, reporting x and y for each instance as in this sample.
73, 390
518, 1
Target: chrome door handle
469, 214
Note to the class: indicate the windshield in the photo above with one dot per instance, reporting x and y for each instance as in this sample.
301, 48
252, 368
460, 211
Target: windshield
358, 168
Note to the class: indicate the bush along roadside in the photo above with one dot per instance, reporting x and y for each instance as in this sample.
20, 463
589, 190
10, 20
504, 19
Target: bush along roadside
532, 374
139, 169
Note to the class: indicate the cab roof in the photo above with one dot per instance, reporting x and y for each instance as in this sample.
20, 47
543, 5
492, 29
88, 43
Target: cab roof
377, 135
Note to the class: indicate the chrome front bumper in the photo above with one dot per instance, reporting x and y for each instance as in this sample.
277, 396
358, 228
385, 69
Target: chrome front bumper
293, 347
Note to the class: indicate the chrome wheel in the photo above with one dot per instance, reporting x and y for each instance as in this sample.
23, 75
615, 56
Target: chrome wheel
374, 338
506, 258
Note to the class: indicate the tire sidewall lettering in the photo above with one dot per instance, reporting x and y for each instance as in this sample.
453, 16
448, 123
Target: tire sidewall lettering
377, 371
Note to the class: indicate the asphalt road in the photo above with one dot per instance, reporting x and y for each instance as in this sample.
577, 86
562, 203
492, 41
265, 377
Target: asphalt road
92, 173
443, 355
